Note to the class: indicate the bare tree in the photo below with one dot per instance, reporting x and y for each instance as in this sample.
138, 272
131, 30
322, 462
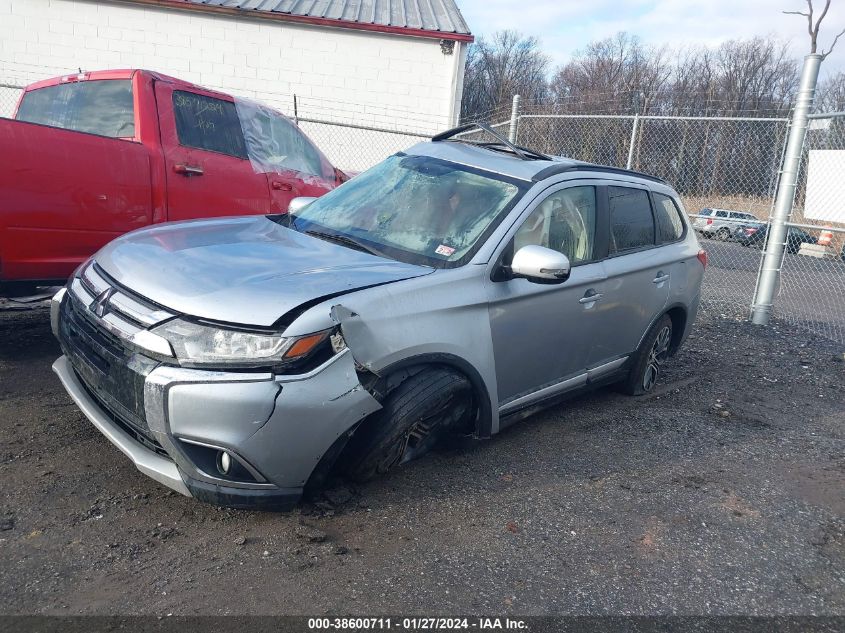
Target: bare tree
618, 74
830, 95
497, 68
813, 28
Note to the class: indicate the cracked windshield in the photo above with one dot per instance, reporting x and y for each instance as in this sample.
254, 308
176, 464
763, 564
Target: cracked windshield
415, 209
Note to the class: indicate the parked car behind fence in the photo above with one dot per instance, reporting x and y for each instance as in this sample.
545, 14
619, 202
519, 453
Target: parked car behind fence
755, 235
721, 223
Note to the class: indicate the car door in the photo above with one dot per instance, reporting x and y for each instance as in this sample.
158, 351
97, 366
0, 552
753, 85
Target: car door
73, 177
292, 163
207, 167
638, 275
542, 333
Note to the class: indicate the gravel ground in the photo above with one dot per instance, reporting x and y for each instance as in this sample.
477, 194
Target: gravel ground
721, 493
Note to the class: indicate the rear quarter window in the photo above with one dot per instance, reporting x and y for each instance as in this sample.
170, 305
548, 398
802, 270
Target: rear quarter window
631, 221
104, 107
670, 226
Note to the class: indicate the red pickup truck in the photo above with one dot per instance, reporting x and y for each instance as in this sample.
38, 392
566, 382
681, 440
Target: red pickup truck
93, 155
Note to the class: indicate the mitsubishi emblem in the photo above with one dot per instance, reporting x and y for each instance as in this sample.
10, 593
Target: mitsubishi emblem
100, 305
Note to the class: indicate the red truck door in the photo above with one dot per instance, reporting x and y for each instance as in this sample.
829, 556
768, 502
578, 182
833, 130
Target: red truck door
63, 195
208, 171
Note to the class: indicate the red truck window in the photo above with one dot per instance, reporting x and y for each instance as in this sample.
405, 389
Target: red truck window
276, 144
102, 107
208, 123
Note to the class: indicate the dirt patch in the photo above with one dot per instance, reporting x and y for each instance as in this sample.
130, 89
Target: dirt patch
603, 505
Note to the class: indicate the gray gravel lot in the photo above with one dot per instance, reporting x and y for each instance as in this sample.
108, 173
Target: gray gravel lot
722, 493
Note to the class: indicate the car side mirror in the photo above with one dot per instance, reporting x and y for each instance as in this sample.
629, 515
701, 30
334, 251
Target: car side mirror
540, 265
299, 203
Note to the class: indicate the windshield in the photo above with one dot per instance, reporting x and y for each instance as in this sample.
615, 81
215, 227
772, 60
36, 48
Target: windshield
415, 209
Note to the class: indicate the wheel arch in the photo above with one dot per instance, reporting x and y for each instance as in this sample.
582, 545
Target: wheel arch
414, 364
382, 384
679, 314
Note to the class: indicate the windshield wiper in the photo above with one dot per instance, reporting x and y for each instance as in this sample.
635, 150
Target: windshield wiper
346, 241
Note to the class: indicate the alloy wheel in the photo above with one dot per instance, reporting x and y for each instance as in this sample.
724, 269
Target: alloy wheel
659, 352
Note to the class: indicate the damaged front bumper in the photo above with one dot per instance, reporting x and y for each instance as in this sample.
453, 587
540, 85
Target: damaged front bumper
275, 428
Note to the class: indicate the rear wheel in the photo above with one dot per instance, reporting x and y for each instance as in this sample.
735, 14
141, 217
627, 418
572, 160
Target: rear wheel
649, 359
723, 234
413, 418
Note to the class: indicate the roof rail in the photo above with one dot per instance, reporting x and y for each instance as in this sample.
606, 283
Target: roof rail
522, 152
553, 170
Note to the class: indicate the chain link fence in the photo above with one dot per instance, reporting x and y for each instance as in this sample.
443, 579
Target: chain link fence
812, 281
357, 147
9, 95
724, 164
726, 170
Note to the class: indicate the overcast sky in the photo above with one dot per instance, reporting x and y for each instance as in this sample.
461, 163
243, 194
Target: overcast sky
564, 26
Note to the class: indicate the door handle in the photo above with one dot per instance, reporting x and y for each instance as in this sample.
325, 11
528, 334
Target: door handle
590, 297
188, 170
661, 277
278, 185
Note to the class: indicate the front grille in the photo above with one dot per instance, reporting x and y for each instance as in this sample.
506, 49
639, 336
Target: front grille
93, 331
127, 423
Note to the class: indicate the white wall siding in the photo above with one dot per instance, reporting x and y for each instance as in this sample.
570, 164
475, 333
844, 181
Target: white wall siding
344, 75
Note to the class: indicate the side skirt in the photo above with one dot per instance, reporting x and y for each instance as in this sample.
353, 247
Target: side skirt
527, 405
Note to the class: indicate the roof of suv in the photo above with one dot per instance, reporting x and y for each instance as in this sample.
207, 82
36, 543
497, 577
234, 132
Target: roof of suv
533, 167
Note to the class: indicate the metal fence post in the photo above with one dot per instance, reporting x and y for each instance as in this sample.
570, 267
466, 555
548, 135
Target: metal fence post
512, 132
769, 275
634, 127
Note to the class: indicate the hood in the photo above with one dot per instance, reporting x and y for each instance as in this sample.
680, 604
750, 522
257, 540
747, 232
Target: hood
245, 270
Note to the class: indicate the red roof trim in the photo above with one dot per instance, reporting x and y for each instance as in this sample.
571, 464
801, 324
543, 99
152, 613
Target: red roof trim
306, 19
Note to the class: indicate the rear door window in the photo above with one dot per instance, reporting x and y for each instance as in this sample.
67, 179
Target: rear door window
631, 220
104, 107
208, 123
721, 214
670, 226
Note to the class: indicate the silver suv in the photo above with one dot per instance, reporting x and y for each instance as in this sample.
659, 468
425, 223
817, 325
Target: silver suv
722, 223
450, 290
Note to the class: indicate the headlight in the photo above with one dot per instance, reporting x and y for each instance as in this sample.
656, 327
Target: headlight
199, 344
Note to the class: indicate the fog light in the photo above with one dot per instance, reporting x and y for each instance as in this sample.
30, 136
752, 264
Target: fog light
224, 462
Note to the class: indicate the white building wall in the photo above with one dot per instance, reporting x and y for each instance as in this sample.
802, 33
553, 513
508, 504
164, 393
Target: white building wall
342, 75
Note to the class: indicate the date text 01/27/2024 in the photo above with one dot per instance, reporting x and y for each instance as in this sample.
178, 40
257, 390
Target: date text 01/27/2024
416, 624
